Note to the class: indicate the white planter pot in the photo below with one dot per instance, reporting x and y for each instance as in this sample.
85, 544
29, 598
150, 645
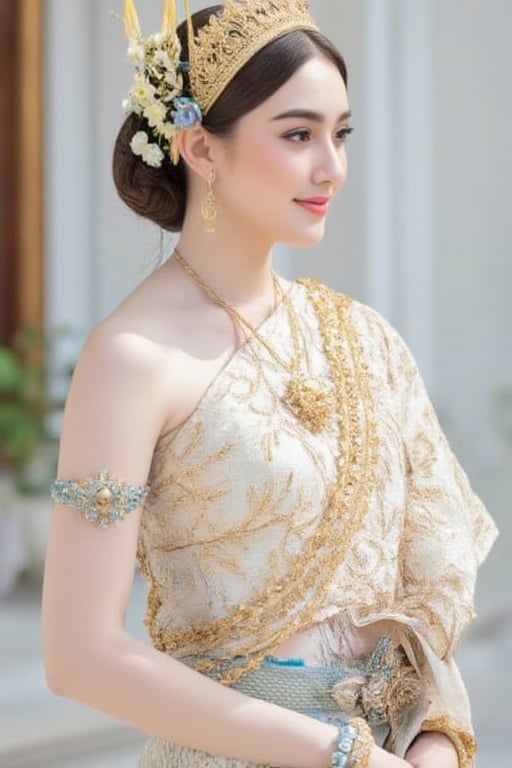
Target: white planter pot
34, 514
13, 551
34, 511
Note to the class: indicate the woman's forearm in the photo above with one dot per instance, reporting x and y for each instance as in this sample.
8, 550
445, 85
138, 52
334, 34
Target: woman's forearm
160, 696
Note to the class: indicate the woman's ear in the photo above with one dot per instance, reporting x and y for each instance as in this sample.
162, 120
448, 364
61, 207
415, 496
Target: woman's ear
197, 148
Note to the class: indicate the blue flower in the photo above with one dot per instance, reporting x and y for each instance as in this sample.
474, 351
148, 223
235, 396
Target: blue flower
187, 113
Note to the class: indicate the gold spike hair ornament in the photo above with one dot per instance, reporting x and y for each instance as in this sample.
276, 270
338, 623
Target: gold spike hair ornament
216, 54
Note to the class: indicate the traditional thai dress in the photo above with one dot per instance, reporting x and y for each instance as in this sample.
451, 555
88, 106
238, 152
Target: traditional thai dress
359, 542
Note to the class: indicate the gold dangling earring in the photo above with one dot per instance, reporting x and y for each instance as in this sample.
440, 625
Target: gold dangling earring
209, 206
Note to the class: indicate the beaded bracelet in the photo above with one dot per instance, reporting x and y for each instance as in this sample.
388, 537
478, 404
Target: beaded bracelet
347, 735
363, 744
353, 745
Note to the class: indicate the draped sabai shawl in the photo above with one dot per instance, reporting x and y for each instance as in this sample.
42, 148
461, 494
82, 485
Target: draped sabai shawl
257, 528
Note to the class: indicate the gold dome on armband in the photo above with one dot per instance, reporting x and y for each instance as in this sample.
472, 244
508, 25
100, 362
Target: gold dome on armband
223, 46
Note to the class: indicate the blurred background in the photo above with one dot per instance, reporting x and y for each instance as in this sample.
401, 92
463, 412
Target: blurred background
423, 232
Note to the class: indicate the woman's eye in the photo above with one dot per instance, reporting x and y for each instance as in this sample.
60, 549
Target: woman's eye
299, 136
343, 134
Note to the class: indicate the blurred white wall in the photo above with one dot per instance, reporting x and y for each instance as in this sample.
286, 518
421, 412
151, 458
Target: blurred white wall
472, 254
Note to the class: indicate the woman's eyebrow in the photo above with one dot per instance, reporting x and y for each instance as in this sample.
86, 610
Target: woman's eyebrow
308, 114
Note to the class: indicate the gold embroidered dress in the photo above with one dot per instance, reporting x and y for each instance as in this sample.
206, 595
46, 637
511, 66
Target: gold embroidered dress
259, 532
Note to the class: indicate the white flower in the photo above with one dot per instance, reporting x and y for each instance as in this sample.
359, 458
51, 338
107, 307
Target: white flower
153, 155
136, 53
150, 152
139, 143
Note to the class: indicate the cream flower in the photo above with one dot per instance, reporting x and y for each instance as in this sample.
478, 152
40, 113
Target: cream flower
169, 131
155, 114
175, 81
136, 53
143, 92
162, 59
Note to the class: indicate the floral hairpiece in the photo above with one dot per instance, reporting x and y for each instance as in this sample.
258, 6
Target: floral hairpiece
157, 94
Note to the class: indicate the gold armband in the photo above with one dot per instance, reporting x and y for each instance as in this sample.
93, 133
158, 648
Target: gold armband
100, 499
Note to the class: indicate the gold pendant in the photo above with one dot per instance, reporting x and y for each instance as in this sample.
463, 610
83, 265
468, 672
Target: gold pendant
309, 401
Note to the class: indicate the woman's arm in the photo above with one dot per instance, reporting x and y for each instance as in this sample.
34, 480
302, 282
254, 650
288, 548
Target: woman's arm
433, 750
117, 404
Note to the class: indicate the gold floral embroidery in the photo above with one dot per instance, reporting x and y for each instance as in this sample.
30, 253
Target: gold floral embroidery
462, 739
256, 529
273, 614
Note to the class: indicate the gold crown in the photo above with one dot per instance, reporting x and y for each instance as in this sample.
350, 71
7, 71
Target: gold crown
224, 45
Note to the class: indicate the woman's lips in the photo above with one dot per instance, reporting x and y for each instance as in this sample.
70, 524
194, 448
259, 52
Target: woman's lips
317, 205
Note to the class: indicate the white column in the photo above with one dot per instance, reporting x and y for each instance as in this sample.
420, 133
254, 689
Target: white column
380, 191
398, 184
414, 152
69, 162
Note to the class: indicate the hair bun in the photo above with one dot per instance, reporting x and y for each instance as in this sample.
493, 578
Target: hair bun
158, 194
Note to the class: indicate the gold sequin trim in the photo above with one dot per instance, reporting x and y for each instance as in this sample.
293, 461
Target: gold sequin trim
458, 733
285, 606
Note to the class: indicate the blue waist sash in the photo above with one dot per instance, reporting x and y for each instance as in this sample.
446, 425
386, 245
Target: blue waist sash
369, 688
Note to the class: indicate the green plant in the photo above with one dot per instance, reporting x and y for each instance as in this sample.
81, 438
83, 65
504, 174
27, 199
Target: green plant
26, 406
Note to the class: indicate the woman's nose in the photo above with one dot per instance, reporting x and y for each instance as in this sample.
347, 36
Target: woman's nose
331, 166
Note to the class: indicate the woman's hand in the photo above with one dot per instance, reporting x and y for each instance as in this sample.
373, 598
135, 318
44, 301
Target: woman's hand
432, 750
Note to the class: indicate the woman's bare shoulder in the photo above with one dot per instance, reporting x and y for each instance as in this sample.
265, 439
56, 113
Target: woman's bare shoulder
137, 334
119, 342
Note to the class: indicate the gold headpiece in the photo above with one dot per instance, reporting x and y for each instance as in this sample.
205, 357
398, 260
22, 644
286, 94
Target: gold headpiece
216, 54
230, 40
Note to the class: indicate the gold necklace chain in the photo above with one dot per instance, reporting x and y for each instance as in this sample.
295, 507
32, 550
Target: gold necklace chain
306, 397
239, 319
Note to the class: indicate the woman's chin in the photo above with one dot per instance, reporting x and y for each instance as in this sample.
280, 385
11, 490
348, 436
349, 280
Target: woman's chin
306, 239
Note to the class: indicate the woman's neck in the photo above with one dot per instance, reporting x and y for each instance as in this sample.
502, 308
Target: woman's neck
234, 265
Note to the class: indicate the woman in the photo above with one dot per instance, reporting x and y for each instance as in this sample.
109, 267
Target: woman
266, 448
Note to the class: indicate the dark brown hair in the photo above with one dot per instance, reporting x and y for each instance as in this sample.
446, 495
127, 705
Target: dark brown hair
160, 194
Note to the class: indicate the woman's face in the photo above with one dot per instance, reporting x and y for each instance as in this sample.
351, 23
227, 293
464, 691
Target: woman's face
278, 174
